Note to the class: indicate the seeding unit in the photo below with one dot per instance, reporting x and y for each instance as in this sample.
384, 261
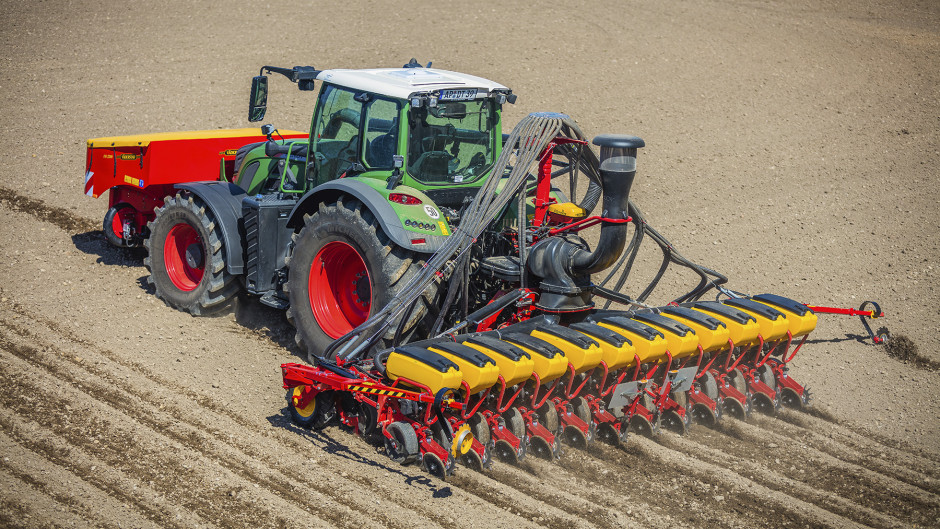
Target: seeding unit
434, 270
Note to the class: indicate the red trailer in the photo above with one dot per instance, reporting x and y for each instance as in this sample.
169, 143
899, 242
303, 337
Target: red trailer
141, 170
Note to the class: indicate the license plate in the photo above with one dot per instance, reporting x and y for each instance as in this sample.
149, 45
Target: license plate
462, 94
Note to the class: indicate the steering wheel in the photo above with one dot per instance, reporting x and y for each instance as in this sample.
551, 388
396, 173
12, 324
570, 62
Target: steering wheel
346, 115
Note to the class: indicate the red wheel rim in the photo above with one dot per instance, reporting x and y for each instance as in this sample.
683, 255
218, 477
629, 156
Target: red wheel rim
184, 257
117, 223
340, 289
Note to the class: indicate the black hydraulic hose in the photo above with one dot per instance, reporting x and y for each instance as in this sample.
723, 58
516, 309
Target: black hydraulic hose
538, 130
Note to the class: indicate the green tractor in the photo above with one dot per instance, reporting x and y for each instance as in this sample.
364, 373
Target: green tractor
332, 225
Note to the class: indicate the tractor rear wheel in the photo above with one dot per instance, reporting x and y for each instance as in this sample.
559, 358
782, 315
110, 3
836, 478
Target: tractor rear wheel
344, 267
186, 258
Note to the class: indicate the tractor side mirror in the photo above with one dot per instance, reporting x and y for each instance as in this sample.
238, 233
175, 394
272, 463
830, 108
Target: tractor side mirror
258, 99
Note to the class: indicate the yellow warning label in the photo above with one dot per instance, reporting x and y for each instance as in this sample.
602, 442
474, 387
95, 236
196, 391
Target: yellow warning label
443, 226
377, 391
131, 180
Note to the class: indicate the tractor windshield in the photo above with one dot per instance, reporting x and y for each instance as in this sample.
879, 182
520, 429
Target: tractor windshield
452, 142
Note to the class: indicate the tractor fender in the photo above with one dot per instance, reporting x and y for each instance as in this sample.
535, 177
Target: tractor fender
388, 219
224, 199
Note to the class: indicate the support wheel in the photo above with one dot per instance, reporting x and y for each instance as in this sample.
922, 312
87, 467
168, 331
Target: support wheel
582, 409
480, 428
402, 447
515, 423
114, 222
316, 414
343, 268
548, 415
186, 258
710, 386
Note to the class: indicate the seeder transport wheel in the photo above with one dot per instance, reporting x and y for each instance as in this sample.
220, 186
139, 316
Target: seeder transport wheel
402, 448
316, 414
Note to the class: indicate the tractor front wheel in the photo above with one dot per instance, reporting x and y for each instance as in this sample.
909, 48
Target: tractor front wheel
186, 258
343, 268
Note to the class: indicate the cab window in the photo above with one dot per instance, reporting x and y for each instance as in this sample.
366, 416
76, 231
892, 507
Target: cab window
337, 133
381, 133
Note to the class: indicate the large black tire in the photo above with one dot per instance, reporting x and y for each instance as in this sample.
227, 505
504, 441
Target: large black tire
342, 268
186, 258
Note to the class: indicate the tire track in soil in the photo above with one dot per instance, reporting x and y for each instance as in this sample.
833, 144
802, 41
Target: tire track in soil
850, 436
60, 217
65, 487
702, 499
821, 470
251, 471
535, 512
295, 440
33, 502
515, 483
809, 487
868, 444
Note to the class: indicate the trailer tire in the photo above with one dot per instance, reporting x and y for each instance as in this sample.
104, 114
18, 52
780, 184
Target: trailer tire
343, 266
186, 258
113, 225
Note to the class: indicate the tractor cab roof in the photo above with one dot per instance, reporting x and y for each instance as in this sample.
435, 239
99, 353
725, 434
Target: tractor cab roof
403, 83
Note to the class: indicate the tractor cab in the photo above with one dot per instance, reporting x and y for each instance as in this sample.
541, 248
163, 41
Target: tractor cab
435, 131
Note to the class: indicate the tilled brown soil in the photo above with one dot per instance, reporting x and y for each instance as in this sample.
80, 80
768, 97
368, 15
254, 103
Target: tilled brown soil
791, 145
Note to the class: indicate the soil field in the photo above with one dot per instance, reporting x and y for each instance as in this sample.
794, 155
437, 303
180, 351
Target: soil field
792, 145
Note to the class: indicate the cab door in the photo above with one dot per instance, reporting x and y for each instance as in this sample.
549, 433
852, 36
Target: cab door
336, 134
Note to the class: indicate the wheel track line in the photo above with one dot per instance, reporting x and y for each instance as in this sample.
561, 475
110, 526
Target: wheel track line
199, 428
600, 493
656, 470
757, 435
909, 468
854, 434
21, 495
567, 506
766, 477
608, 492
65, 487
251, 472
197, 424
135, 366
30, 435
486, 489
741, 485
